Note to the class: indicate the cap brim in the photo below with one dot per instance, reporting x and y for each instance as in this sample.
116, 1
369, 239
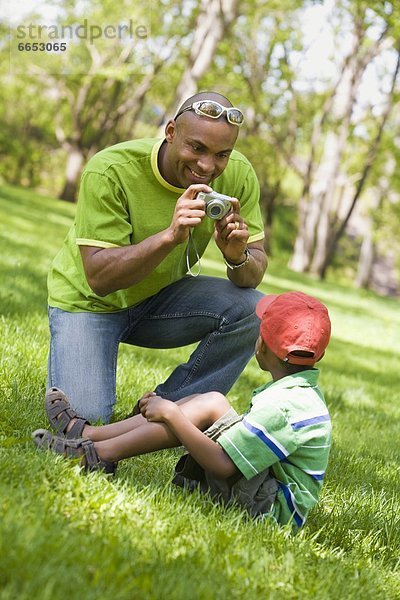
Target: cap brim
264, 303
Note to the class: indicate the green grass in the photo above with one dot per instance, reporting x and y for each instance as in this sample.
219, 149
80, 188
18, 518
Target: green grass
64, 534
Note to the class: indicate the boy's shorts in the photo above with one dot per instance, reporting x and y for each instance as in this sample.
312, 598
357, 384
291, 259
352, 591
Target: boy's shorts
257, 495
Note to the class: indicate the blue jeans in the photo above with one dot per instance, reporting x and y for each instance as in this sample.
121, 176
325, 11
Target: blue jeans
84, 345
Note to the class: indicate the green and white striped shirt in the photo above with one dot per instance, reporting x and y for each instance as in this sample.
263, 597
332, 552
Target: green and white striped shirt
288, 429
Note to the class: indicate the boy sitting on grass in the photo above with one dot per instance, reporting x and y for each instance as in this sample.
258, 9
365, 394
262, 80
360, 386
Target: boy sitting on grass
271, 460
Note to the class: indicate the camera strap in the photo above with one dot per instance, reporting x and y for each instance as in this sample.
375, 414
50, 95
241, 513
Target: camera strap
192, 244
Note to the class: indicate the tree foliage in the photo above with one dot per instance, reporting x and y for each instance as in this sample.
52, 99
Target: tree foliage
319, 141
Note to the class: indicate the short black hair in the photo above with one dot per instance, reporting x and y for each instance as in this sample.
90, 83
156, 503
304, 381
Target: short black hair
205, 96
290, 368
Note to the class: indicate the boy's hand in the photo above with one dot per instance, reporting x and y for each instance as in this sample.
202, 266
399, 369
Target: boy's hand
155, 408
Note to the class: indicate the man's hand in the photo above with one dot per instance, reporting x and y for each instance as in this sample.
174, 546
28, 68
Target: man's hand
231, 234
110, 269
155, 408
189, 212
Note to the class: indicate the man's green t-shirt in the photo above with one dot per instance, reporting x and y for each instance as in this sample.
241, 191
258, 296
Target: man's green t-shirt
124, 199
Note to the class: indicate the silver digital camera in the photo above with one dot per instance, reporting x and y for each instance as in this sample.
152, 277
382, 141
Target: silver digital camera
217, 205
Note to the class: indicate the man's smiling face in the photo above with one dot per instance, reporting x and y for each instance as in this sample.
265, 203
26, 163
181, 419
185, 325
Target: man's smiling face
198, 149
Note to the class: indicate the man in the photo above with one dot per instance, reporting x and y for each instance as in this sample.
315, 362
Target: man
121, 275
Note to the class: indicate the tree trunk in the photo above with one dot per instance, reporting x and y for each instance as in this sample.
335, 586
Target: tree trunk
325, 183
366, 259
75, 161
338, 231
368, 249
305, 239
268, 197
213, 21
319, 205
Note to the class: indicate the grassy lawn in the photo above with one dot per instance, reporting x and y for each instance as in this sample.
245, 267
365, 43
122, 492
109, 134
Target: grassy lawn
64, 534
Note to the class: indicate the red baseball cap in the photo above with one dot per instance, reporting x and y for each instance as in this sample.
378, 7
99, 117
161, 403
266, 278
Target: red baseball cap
292, 322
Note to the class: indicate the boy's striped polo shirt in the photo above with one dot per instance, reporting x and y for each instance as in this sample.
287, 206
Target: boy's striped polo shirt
288, 429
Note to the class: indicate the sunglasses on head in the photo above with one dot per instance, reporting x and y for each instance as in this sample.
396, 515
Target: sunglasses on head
212, 109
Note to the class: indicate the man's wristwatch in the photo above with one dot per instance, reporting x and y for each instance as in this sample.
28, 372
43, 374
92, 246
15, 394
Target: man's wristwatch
241, 264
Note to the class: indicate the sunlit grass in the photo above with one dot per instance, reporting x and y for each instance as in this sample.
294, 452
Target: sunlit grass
65, 534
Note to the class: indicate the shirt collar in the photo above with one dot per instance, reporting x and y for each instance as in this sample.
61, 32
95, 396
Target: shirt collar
156, 170
308, 378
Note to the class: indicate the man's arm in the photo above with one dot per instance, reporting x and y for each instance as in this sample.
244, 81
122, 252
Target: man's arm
251, 274
110, 269
204, 450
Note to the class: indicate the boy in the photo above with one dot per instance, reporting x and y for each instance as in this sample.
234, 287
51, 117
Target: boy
270, 461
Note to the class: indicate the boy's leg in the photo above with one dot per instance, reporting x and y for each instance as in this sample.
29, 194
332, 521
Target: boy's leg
136, 435
106, 432
83, 359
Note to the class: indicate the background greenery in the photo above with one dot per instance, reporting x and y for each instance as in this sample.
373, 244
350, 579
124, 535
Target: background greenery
68, 534
316, 79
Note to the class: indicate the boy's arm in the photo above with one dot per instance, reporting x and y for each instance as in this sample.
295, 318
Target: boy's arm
205, 451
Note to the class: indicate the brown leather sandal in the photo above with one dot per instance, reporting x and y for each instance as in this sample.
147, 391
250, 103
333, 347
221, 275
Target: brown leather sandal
60, 414
82, 449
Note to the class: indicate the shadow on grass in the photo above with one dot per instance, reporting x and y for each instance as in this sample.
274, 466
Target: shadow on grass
89, 538
27, 203
32, 230
364, 365
359, 508
24, 288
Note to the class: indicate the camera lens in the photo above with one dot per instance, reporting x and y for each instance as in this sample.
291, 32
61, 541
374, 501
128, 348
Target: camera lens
215, 211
